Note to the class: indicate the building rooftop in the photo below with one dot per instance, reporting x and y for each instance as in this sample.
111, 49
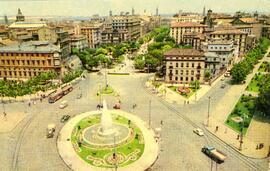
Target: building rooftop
187, 24
183, 52
228, 31
31, 47
249, 20
27, 24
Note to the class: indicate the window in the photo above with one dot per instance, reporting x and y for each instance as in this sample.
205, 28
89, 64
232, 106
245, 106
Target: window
181, 78
176, 78
182, 64
170, 78
192, 79
176, 71
192, 65
186, 78
176, 64
192, 72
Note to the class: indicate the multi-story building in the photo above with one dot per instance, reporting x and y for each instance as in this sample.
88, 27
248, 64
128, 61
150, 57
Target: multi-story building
79, 42
184, 66
256, 26
178, 30
194, 39
92, 33
183, 18
22, 61
237, 36
57, 36
128, 23
219, 55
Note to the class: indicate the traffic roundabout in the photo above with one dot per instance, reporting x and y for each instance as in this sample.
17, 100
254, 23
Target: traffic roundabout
107, 139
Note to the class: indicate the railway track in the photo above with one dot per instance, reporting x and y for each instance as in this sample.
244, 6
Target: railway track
210, 138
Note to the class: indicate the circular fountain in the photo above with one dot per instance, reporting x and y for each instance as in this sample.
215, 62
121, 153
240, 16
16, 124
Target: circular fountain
102, 140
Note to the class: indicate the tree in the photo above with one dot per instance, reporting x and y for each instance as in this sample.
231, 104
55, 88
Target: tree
139, 64
238, 72
263, 101
207, 74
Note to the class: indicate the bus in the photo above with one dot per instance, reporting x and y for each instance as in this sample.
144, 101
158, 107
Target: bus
58, 94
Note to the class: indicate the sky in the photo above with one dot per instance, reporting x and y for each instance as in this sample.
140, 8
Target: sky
102, 7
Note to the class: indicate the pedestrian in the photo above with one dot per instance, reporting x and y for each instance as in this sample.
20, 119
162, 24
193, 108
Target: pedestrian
5, 114
29, 104
161, 122
184, 102
119, 101
216, 128
225, 131
187, 102
238, 136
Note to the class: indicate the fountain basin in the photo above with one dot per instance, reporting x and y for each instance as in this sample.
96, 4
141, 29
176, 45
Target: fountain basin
93, 135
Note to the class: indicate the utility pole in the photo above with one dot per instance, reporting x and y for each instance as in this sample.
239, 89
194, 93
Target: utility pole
242, 134
208, 113
106, 83
149, 117
99, 87
114, 153
196, 91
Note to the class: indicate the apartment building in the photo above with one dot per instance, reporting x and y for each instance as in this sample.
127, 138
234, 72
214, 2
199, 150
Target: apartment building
23, 61
178, 30
184, 66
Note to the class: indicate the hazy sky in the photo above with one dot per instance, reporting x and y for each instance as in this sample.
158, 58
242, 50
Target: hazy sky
102, 7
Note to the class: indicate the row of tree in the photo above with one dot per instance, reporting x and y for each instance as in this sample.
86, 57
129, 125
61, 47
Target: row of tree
106, 54
240, 70
155, 56
263, 100
12, 88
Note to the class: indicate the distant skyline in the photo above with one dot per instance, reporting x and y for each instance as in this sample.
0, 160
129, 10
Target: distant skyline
102, 7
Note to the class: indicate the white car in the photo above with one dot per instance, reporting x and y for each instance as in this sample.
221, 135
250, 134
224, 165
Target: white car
198, 131
63, 104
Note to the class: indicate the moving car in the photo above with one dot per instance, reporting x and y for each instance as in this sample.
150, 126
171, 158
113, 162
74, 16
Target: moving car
65, 118
63, 104
50, 130
198, 131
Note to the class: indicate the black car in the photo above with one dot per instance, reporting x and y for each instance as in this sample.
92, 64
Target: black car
65, 118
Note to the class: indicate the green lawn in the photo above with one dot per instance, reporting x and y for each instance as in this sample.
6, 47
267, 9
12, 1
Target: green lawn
186, 95
254, 84
106, 91
265, 67
245, 106
100, 153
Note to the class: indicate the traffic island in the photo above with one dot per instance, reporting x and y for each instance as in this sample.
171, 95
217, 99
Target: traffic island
107, 139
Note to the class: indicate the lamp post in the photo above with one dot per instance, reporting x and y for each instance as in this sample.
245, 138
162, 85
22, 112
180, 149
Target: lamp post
114, 153
149, 117
242, 132
208, 111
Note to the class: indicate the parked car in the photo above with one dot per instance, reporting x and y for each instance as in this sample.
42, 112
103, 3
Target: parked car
223, 85
65, 118
79, 96
198, 131
63, 104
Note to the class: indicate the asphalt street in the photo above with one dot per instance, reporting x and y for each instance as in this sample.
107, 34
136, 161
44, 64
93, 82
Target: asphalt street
27, 148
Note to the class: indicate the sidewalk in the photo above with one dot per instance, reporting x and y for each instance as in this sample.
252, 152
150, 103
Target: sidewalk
258, 132
174, 97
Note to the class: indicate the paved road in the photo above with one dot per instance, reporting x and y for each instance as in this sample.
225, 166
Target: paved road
26, 148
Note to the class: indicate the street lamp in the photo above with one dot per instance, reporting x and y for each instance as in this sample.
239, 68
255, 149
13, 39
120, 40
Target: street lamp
242, 131
149, 117
208, 111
